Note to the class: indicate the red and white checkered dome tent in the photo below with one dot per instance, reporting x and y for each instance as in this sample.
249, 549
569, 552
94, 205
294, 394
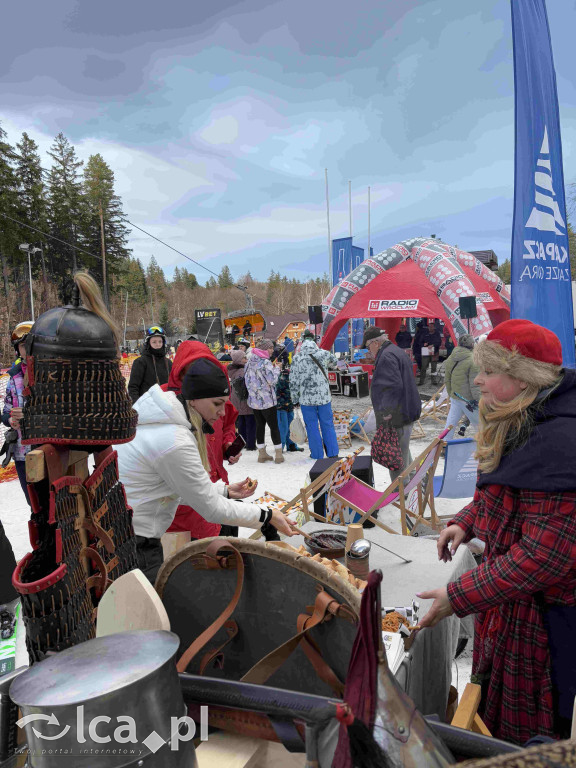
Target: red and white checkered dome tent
417, 278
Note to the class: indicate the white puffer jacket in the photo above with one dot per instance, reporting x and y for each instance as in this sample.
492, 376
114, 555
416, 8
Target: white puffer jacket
161, 468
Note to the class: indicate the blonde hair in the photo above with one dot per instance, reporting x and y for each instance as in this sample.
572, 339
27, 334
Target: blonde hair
93, 301
502, 424
196, 421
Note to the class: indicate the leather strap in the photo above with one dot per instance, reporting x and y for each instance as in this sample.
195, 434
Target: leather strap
99, 580
265, 668
319, 366
324, 672
216, 655
212, 551
88, 522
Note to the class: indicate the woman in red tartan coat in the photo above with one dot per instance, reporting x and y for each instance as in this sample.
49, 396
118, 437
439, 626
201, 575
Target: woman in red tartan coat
524, 509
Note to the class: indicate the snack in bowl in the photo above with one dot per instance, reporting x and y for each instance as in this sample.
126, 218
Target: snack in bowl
330, 544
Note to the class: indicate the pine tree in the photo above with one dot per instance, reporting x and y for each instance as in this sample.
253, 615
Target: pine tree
155, 276
504, 271
211, 283
11, 234
133, 279
32, 193
225, 279
165, 319
103, 210
66, 207
189, 279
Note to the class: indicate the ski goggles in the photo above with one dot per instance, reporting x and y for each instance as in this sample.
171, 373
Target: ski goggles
21, 331
155, 329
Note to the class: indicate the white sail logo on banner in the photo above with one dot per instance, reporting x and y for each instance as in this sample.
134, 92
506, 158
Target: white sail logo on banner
546, 217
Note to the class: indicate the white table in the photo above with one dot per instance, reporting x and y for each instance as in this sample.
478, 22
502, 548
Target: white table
426, 673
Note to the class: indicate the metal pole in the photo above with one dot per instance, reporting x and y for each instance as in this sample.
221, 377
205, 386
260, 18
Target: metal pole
30, 277
125, 318
368, 222
350, 204
328, 224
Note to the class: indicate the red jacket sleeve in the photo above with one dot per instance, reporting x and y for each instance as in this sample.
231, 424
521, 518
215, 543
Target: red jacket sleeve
229, 424
543, 557
466, 517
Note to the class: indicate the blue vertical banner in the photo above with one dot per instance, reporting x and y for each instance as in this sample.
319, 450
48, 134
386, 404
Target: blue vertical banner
541, 283
345, 258
341, 266
341, 259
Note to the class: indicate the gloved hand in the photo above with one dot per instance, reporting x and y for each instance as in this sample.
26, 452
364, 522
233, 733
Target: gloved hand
10, 441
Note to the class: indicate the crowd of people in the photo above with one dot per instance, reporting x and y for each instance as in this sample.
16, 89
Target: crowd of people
511, 385
430, 344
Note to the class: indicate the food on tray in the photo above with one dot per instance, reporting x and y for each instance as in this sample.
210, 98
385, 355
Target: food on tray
331, 565
392, 621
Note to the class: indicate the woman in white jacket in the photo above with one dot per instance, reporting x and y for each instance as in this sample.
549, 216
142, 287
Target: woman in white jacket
166, 464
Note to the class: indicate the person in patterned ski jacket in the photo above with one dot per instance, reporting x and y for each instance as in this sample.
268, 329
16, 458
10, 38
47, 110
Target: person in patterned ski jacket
310, 389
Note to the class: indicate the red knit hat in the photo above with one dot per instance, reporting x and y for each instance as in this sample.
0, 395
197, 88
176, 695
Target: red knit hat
529, 339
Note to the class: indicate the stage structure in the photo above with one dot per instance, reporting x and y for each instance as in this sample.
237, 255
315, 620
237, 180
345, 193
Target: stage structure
417, 278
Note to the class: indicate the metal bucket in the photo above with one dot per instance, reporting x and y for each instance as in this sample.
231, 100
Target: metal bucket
112, 702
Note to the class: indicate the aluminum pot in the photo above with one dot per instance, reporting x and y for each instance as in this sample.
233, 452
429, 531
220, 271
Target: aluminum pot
112, 702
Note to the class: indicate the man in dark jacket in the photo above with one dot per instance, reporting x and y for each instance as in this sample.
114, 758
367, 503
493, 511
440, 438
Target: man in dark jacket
152, 367
426, 338
394, 394
403, 337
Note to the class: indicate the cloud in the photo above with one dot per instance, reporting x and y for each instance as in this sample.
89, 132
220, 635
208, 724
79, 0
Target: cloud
219, 120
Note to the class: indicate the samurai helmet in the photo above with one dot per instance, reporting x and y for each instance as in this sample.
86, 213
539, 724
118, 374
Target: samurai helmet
77, 394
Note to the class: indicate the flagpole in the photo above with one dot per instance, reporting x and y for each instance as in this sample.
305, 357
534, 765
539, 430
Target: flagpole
350, 204
368, 222
328, 229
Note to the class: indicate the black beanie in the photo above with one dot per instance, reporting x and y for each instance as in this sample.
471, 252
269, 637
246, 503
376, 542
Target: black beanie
204, 379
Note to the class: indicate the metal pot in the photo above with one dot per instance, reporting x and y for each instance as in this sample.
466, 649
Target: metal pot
112, 702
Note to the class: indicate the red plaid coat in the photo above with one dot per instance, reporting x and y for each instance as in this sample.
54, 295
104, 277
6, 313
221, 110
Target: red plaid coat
530, 547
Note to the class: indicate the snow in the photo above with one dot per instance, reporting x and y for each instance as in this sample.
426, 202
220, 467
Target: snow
284, 480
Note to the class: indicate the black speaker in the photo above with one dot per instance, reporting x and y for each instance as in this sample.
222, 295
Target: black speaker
315, 315
467, 307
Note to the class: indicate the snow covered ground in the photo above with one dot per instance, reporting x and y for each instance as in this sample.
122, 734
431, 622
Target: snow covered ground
284, 480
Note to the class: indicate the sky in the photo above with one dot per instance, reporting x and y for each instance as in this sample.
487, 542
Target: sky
219, 121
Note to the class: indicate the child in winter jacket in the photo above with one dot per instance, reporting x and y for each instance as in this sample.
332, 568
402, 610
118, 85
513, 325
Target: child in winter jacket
14, 402
285, 408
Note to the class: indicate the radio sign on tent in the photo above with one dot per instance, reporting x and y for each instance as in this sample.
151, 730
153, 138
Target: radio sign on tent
392, 305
